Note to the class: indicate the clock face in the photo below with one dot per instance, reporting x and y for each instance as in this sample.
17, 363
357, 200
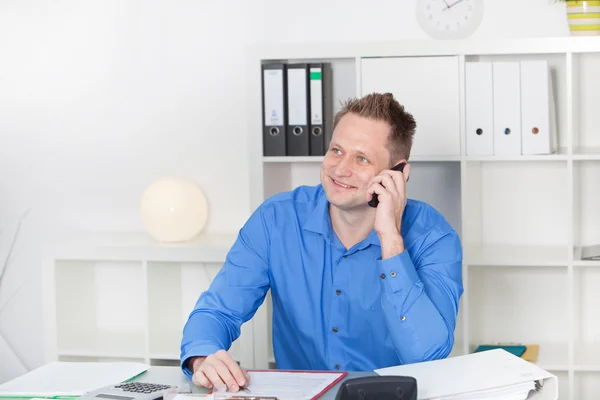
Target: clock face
449, 19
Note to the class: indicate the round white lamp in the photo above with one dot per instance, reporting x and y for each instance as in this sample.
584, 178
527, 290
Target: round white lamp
173, 209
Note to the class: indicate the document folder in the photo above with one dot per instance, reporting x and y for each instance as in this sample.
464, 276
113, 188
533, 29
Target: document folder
493, 374
317, 110
274, 96
538, 113
507, 108
479, 108
297, 135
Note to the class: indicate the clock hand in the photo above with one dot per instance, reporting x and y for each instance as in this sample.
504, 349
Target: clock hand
452, 5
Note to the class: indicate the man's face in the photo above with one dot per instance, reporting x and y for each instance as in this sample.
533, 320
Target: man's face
357, 152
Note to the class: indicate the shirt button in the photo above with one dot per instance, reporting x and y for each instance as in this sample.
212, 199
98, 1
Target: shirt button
393, 274
337, 366
382, 276
335, 329
338, 292
402, 318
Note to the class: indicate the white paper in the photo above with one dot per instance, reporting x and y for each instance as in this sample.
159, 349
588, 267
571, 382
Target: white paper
285, 385
492, 374
70, 378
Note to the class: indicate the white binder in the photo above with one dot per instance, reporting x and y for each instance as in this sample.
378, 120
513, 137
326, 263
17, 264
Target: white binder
479, 108
507, 108
493, 374
537, 109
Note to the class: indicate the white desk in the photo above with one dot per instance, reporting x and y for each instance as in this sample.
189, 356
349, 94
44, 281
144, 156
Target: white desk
174, 376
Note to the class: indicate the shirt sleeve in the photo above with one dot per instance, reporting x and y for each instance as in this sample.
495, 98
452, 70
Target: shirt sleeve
233, 296
420, 297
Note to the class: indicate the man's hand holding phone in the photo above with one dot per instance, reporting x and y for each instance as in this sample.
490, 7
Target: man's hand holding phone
390, 188
219, 371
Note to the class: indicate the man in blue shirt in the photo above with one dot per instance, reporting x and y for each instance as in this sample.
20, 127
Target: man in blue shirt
354, 287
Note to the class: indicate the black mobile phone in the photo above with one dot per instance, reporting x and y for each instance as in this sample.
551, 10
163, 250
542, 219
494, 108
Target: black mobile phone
375, 201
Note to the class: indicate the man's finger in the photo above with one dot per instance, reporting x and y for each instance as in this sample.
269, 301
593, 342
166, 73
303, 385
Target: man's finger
399, 181
247, 376
226, 376
389, 183
211, 373
234, 368
199, 379
380, 190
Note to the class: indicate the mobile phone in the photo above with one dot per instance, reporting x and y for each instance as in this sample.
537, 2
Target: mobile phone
375, 201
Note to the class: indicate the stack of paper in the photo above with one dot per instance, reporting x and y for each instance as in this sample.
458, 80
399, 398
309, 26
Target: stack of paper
488, 375
70, 378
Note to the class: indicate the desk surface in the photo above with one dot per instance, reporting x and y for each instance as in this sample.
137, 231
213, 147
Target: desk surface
174, 376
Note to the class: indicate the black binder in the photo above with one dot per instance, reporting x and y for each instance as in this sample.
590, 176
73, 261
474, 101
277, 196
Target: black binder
274, 101
297, 133
321, 108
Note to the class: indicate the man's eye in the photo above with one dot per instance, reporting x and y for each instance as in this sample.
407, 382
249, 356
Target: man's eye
336, 151
363, 160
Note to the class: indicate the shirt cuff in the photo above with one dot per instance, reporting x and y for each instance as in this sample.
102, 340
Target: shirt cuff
399, 271
202, 350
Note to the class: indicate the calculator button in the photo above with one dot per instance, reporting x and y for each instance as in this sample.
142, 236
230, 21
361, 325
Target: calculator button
141, 387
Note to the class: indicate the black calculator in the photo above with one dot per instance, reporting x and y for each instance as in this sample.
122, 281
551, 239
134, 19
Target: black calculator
129, 391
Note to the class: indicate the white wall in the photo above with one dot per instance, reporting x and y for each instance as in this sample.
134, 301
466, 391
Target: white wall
100, 98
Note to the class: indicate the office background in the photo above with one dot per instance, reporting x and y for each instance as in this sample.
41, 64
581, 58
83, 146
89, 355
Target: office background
100, 98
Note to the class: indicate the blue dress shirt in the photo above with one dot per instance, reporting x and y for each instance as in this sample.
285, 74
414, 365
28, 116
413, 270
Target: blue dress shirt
334, 308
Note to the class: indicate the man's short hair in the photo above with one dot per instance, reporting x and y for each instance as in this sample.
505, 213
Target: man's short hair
384, 107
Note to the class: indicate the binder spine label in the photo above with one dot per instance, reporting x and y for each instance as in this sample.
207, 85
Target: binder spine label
316, 96
297, 96
273, 84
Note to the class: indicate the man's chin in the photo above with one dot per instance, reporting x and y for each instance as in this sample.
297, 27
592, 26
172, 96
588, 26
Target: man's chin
345, 204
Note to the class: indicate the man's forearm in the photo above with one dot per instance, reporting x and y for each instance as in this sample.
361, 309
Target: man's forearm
391, 246
421, 326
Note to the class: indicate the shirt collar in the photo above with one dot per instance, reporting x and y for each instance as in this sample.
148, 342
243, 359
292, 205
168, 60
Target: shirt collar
319, 222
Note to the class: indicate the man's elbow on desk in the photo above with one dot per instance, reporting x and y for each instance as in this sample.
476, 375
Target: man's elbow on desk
435, 348
432, 340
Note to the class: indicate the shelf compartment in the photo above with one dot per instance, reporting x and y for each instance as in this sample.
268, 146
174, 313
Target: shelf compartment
89, 323
587, 385
517, 207
174, 289
283, 177
557, 64
586, 321
586, 96
586, 213
339, 81
421, 84
521, 304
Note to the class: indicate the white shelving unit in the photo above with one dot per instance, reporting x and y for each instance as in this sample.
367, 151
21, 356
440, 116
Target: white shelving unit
124, 296
522, 219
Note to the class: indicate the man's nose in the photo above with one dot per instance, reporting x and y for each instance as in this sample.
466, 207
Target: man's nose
343, 168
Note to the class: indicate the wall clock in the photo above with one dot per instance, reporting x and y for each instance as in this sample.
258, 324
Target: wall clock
449, 19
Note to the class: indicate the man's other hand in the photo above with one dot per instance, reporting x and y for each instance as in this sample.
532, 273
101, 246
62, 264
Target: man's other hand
219, 371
